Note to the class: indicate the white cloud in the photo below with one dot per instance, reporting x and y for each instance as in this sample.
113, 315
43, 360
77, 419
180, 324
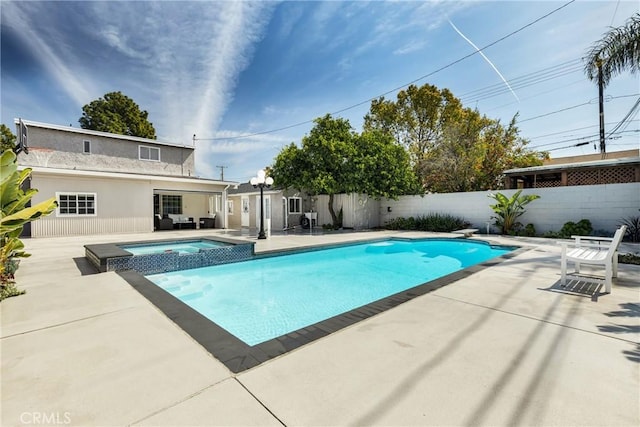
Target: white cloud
19, 16
117, 40
411, 47
188, 54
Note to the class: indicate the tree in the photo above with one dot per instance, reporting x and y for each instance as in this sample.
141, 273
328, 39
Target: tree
416, 119
8, 139
334, 159
117, 113
14, 214
618, 50
381, 168
451, 148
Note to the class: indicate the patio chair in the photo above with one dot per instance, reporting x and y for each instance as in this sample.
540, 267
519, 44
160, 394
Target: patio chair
596, 251
163, 223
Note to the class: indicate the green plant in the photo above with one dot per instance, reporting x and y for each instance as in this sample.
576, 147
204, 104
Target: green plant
14, 214
508, 210
629, 259
431, 222
581, 228
633, 228
529, 231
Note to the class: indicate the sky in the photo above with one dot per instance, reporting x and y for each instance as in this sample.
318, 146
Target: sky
249, 78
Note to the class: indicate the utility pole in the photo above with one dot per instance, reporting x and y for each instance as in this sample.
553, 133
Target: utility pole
603, 148
222, 168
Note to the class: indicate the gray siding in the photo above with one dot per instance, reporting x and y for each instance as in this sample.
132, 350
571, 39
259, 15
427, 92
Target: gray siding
55, 148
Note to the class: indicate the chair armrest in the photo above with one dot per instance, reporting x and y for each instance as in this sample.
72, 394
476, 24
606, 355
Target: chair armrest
602, 239
583, 245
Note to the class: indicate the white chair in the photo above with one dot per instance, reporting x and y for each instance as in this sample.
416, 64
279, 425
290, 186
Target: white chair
597, 251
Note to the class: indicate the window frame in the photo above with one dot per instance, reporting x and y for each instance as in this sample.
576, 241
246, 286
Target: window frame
230, 207
299, 205
149, 149
172, 202
76, 207
86, 144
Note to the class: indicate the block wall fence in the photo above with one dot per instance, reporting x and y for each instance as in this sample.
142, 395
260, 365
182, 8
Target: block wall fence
603, 205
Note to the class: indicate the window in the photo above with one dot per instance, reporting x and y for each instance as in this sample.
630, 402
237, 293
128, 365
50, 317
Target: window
86, 146
295, 205
76, 204
151, 154
171, 204
230, 207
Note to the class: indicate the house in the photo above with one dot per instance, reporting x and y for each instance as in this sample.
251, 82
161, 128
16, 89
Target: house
106, 183
282, 209
616, 168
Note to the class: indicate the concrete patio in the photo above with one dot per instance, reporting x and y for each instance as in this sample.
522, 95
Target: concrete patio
506, 346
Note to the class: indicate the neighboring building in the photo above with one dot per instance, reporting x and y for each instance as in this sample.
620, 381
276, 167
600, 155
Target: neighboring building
617, 168
282, 209
108, 183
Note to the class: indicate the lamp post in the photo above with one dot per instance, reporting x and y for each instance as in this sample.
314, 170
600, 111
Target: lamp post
261, 182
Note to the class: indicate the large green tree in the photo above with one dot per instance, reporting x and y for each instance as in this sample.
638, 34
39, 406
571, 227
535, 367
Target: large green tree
117, 113
8, 141
617, 51
452, 148
417, 119
334, 159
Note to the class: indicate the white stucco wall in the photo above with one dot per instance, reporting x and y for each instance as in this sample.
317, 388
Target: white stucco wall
603, 205
124, 203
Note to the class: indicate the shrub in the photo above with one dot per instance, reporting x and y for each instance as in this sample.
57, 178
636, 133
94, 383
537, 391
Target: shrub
633, 228
529, 231
582, 228
432, 222
629, 259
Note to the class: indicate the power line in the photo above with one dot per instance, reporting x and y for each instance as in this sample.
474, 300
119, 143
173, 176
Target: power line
554, 112
574, 106
571, 130
527, 80
626, 120
589, 139
399, 87
595, 138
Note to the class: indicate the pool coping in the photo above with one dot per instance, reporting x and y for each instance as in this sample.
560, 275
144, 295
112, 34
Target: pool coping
238, 356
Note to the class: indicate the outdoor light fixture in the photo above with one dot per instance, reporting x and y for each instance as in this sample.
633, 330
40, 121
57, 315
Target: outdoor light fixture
261, 182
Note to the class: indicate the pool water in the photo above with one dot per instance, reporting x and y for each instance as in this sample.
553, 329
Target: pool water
183, 247
263, 299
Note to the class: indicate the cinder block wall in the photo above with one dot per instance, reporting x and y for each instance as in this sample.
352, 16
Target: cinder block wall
603, 205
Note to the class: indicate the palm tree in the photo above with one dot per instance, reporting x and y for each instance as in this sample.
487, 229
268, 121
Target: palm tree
618, 50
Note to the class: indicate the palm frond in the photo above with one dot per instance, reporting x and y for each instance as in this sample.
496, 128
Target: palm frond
617, 51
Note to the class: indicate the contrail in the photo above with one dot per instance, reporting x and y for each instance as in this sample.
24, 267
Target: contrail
486, 59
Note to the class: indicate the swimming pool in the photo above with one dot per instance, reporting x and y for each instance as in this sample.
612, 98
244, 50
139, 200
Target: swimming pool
259, 300
181, 247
